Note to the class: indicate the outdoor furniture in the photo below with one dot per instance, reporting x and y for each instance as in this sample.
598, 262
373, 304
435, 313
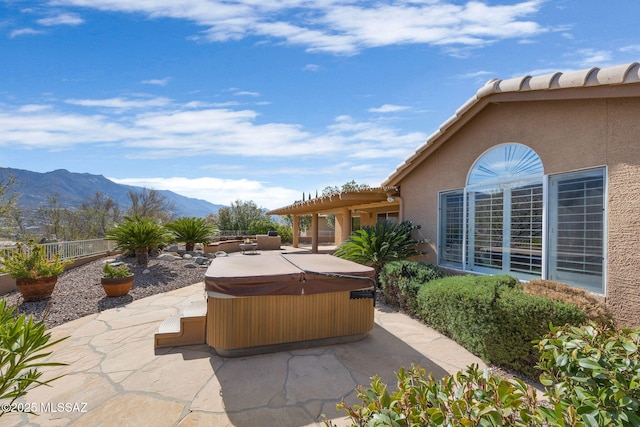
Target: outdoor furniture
277, 301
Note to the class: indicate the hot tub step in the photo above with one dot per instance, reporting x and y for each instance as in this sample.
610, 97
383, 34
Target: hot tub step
187, 328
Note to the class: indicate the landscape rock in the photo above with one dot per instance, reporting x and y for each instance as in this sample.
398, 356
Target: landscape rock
167, 257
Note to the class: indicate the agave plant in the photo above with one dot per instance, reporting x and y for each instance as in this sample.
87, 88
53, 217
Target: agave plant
138, 235
385, 242
191, 231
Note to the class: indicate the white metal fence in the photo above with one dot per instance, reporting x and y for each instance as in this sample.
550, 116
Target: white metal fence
76, 249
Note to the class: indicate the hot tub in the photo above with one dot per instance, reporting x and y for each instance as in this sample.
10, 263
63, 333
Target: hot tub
271, 302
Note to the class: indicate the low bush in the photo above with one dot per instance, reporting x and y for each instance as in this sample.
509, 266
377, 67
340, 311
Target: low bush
401, 280
470, 398
491, 317
591, 375
593, 306
521, 319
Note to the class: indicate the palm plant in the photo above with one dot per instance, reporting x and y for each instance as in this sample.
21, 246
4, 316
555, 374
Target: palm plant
191, 231
138, 235
385, 242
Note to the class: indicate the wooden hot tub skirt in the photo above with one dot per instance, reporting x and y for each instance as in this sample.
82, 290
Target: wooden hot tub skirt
238, 326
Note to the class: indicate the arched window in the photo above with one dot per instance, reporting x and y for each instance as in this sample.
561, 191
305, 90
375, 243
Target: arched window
504, 211
505, 163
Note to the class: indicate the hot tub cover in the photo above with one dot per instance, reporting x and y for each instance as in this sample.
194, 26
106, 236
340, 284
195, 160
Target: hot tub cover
285, 274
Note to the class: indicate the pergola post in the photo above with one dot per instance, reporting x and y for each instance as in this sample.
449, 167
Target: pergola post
314, 233
343, 225
296, 231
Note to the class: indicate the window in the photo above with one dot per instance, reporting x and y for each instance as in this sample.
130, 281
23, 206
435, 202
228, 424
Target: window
504, 212
576, 228
451, 228
495, 224
388, 216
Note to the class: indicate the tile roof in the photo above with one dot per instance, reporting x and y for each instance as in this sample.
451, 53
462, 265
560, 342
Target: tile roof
592, 77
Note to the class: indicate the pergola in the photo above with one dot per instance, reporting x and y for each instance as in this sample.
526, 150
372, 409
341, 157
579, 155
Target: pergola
365, 203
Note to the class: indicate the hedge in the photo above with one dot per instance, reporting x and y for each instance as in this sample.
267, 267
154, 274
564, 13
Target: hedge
491, 317
401, 280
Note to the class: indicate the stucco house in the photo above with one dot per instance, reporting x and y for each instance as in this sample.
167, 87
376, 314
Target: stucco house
537, 177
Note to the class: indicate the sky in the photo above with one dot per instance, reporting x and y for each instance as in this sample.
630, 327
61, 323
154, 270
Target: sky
267, 100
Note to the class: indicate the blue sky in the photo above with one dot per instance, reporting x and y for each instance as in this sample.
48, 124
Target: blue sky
266, 99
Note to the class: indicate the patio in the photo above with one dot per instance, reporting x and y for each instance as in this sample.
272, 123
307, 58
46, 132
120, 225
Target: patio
114, 377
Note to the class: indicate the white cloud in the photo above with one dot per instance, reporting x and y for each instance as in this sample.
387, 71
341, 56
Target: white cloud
389, 108
631, 48
219, 191
342, 27
33, 108
159, 129
246, 93
311, 67
61, 19
120, 103
157, 82
593, 57
24, 32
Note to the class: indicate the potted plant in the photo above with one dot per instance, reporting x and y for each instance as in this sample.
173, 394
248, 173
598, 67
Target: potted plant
116, 279
36, 275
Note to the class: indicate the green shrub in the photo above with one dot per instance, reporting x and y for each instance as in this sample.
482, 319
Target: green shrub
461, 307
286, 233
470, 398
31, 262
115, 272
22, 342
521, 319
592, 375
401, 281
492, 318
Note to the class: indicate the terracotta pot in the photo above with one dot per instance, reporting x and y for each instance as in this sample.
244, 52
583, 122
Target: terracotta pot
36, 289
117, 286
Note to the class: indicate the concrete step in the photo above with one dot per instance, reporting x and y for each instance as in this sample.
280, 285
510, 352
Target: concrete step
186, 328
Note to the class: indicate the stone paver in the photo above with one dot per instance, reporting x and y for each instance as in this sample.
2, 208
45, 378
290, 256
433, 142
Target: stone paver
114, 370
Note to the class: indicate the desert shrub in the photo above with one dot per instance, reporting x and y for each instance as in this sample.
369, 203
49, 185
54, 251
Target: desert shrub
593, 306
492, 318
401, 280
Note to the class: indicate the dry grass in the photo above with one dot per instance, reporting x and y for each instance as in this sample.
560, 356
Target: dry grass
592, 305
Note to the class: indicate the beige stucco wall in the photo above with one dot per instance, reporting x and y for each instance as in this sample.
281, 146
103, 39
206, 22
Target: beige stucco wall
567, 135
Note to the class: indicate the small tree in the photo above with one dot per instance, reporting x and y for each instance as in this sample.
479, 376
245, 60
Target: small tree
22, 342
138, 235
150, 204
191, 231
385, 242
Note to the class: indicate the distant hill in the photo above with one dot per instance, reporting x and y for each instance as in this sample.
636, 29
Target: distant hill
73, 189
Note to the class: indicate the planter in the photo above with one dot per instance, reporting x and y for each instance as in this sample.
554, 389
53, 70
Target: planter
117, 286
36, 289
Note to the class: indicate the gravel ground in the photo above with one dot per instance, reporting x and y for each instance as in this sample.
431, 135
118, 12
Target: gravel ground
79, 293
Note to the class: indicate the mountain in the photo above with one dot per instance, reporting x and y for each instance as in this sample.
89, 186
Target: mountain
73, 189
